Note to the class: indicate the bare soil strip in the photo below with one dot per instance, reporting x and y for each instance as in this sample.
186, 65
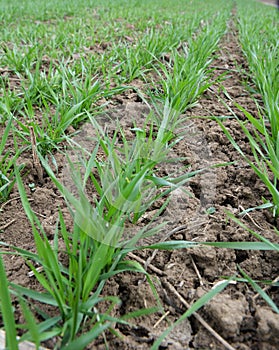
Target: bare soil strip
270, 2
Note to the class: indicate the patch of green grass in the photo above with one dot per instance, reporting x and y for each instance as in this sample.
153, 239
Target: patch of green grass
188, 75
262, 57
265, 162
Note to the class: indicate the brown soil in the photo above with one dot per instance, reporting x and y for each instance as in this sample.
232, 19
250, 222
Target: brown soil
269, 2
238, 314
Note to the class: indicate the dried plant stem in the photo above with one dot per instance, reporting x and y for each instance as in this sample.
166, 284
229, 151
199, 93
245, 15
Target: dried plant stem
7, 224
198, 317
36, 161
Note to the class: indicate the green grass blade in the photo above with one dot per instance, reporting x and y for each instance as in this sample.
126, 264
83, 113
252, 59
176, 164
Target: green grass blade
195, 307
173, 245
30, 323
243, 245
45, 298
5, 135
7, 310
87, 338
273, 246
44, 331
261, 292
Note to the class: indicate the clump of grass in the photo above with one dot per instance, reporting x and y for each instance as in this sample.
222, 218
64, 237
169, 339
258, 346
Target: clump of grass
93, 256
127, 185
17, 60
265, 161
125, 177
262, 57
188, 75
98, 243
263, 63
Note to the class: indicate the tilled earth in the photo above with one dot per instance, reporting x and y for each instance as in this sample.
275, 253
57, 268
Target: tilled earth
239, 317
